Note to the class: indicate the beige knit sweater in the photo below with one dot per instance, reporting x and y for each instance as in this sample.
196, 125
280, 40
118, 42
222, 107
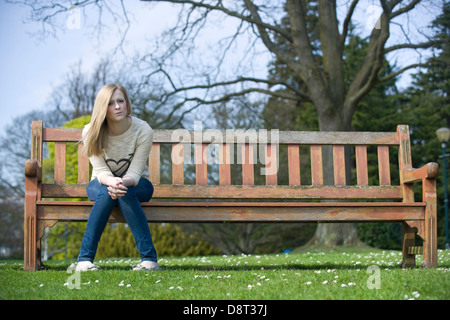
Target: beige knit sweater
126, 154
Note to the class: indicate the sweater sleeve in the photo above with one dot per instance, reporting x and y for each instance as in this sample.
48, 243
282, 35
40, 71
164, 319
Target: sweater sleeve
100, 166
141, 154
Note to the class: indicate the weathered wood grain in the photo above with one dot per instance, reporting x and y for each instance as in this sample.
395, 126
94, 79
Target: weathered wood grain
250, 212
167, 191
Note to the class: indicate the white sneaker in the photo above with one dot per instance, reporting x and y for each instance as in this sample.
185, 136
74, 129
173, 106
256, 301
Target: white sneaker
86, 266
147, 265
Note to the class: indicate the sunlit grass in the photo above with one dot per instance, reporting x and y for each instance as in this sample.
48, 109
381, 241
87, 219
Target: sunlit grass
291, 276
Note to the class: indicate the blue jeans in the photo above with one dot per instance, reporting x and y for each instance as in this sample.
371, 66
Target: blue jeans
131, 208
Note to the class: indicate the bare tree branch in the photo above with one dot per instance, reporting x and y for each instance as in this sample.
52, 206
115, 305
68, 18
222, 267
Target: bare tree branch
265, 37
347, 21
404, 9
219, 7
46, 12
394, 74
300, 94
423, 45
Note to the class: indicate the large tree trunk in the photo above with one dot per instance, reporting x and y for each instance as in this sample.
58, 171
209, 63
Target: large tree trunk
326, 86
334, 234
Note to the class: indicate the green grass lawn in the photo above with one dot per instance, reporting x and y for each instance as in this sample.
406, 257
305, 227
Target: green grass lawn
330, 275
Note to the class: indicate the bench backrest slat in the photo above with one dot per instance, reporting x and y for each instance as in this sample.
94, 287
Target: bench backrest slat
248, 168
224, 165
284, 137
201, 167
154, 164
339, 165
271, 170
384, 166
282, 192
83, 165
294, 164
362, 174
61, 135
60, 162
178, 165
316, 165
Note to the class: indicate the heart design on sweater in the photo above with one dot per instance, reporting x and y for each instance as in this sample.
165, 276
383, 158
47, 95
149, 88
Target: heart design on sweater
119, 168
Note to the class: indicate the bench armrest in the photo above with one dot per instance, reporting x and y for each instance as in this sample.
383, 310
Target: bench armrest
428, 171
33, 169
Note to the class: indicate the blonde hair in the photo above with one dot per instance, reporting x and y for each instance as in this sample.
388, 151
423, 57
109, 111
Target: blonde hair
96, 137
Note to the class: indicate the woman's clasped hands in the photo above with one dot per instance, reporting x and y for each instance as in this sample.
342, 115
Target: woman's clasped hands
116, 188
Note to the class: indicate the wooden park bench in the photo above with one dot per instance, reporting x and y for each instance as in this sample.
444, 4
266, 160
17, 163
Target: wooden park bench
296, 201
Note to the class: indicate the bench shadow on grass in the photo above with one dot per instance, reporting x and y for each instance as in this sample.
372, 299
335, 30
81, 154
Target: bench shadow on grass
211, 267
111, 265
289, 267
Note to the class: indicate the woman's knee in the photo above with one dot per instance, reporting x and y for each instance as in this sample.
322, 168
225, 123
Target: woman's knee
150, 188
143, 190
95, 190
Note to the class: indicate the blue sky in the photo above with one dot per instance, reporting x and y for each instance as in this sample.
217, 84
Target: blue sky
29, 69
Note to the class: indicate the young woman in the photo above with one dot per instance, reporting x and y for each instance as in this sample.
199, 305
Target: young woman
118, 146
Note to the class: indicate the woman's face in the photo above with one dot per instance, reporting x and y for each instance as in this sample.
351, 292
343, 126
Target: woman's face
117, 107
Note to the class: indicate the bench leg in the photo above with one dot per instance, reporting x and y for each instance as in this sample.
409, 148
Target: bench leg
430, 225
430, 240
33, 232
408, 236
30, 225
41, 225
30, 244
